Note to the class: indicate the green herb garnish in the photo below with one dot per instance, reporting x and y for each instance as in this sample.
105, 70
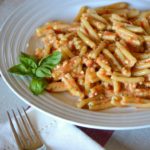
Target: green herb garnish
38, 70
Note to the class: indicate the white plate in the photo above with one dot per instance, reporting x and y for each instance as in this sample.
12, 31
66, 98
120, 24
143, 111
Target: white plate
15, 34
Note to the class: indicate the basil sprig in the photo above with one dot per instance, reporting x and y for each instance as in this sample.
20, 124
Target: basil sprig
38, 70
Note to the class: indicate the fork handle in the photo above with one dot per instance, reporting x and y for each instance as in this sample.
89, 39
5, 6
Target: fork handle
42, 148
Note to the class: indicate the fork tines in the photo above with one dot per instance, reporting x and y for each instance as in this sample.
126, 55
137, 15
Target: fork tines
27, 136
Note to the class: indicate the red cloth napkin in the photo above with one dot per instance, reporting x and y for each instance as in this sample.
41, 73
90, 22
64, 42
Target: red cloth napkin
100, 136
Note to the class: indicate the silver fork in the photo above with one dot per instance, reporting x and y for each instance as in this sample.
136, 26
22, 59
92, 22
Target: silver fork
28, 139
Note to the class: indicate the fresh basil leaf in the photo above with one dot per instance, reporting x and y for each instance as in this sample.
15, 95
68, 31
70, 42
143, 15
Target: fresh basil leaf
37, 85
48, 66
33, 71
43, 72
51, 60
41, 61
19, 69
28, 60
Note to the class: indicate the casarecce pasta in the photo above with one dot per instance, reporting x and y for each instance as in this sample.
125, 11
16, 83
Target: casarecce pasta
105, 56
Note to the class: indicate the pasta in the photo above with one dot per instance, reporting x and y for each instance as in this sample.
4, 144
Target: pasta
105, 56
